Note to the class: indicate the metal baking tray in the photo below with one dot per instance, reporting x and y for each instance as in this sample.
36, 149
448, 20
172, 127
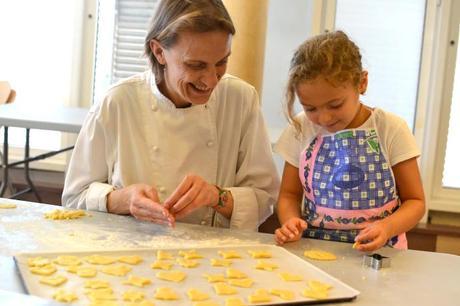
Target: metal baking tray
286, 261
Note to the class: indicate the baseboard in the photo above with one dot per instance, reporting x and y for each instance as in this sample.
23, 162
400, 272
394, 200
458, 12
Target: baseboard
40, 178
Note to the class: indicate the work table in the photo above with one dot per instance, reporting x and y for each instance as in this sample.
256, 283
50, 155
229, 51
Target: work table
414, 277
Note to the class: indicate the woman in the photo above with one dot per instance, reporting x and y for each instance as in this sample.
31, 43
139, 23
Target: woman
184, 141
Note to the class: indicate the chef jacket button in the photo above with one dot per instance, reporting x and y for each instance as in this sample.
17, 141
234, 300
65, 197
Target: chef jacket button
162, 189
203, 222
154, 108
210, 143
155, 148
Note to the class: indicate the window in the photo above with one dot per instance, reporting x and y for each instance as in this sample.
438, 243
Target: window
422, 60
391, 49
440, 169
121, 29
411, 51
36, 58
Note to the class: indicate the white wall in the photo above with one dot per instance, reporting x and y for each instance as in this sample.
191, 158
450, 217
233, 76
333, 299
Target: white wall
288, 25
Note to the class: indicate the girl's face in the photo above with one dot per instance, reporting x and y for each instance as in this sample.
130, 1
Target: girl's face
193, 66
333, 108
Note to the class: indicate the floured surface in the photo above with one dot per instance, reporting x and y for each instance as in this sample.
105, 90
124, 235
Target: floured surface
194, 279
100, 231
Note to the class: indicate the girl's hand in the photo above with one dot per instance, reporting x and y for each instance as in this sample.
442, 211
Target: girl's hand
290, 231
141, 201
372, 237
192, 193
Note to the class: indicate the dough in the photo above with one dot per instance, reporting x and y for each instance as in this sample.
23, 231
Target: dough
43, 270
315, 294
260, 296
59, 214
214, 278
245, 282
133, 296
55, 280
192, 254
104, 303
188, 263
172, 276
220, 262
197, 295
98, 295
72, 269
234, 273
355, 245
161, 264
288, 277
265, 265
97, 284
100, 260
38, 261
100, 290
86, 271
206, 303
234, 302
137, 281
142, 303
165, 293
283, 294
319, 255
164, 255
229, 254
316, 290
67, 260
64, 296
132, 260
317, 285
7, 205
260, 254
116, 270
224, 289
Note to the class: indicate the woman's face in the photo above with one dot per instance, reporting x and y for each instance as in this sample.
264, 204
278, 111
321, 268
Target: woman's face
193, 66
333, 108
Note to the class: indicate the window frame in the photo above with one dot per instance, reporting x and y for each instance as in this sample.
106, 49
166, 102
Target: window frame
444, 198
435, 84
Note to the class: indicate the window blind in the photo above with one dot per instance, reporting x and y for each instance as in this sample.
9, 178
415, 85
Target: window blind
121, 29
132, 19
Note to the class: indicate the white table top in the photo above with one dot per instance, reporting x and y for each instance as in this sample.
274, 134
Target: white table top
414, 278
57, 118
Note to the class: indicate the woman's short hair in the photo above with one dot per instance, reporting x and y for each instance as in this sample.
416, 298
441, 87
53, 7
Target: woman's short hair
173, 17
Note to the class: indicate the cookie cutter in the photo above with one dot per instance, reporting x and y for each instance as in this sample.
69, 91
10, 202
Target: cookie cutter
377, 261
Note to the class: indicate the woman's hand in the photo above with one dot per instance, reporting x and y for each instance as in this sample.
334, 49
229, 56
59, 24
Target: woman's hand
290, 231
141, 201
192, 193
373, 237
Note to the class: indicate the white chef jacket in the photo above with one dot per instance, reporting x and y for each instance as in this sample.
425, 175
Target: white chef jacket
137, 135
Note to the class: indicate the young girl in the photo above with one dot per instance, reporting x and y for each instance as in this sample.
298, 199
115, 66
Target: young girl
353, 168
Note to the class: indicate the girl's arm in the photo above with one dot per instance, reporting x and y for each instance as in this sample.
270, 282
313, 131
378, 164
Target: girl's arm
288, 207
410, 190
290, 194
